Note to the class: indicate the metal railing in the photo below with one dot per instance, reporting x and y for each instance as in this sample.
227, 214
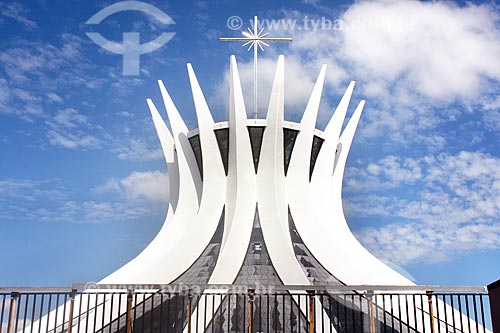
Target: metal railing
216, 308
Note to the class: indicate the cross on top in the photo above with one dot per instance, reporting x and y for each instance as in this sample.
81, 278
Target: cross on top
256, 39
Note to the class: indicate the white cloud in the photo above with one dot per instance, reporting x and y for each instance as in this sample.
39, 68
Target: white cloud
17, 12
152, 186
389, 172
432, 48
26, 95
420, 64
77, 212
311, 2
71, 140
491, 115
121, 85
411, 52
61, 69
30, 189
4, 94
55, 97
300, 78
135, 149
451, 202
96, 212
201, 4
69, 118
69, 129
35, 68
131, 198
46, 65
415, 243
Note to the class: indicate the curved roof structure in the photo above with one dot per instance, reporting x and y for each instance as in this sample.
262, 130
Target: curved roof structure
259, 202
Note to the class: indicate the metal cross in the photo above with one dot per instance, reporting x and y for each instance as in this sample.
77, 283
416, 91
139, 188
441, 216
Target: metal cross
256, 39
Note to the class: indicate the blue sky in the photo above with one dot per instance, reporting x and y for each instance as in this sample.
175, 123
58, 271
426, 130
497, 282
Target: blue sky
83, 184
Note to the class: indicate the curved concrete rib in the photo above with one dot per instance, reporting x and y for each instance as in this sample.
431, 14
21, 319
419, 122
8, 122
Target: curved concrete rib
154, 250
298, 186
345, 142
271, 182
325, 161
212, 199
372, 270
240, 208
173, 245
189, 174
241, 189
168, 148
180, 246
298, 170
321, 187
147, 267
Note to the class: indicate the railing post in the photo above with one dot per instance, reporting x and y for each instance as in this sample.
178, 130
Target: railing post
311, 311
250, 309
189, 311
130, 297
431, 309
71, 308
494, 297
13, 298
369, 296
